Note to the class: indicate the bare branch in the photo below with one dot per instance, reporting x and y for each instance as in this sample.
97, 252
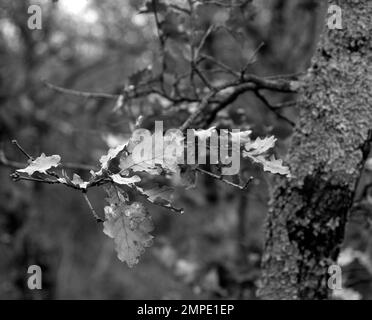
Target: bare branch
251, 60
22, 150
221, 178
94, 213
202, 106
162, 41
229, 99
203, 40
272, 108
219, 64
83, 94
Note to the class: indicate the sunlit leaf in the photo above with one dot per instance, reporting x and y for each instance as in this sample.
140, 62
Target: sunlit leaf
117, 178
259, 146
76, 180
41, 164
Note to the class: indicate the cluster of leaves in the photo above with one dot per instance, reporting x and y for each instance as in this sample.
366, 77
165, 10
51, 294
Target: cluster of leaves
127, 221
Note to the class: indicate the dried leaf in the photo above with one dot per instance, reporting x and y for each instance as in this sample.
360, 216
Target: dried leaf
117, 178
41, 164
259, 146
76, 180
256, 152
273, 165
110, 161
128, 224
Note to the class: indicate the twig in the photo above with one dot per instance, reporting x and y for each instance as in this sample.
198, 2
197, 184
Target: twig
286, 104
81, 93
223, 4
219, 64
203, 40
268, 83
204, 79
15, 142
221, 178
94, 213
162, 41
203, 105
273, 85
251, 59
131, 93
178, 8
229, 99
273, 109
17, 177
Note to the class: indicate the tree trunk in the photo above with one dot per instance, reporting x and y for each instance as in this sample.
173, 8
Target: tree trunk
307, 216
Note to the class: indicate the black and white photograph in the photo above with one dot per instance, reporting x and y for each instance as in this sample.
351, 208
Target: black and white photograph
186, 155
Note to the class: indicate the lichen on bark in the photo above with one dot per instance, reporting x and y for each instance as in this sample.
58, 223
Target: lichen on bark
307, 216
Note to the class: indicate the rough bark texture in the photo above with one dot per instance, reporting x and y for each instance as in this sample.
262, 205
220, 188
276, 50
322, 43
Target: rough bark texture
305, 225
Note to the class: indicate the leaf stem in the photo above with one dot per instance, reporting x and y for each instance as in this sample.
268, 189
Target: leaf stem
221, 178
94, 213
15, 142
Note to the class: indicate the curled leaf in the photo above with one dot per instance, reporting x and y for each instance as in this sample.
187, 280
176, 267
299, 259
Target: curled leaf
273, 165
112, 154
117, 178
259, 146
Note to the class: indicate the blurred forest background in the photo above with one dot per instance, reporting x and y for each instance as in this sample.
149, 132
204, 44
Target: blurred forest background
214, 249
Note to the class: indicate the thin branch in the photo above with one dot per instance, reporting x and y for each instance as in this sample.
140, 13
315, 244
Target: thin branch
83, 94
203, 40
273, 85
204, 79
94, 213
202, 106
272, 108
251, 59
268, 83
229, 99
286, 104
219, 64
17, 177
223, 4
130, 93
178, 8
221, 178
15, 142
162, 41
